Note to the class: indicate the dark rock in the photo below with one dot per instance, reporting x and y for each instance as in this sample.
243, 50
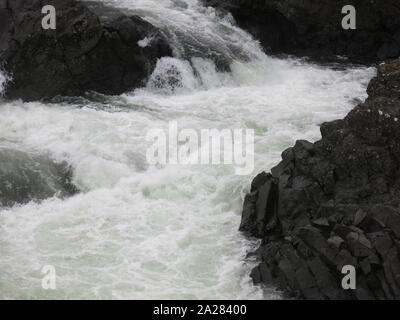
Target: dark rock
260, 180
25, 177
317, 224
91, 49
360, 216
314, 28
260, 206
249, 214
336, 241
321, 222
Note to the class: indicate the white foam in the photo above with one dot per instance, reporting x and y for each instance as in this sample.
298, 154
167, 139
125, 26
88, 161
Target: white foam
145, 42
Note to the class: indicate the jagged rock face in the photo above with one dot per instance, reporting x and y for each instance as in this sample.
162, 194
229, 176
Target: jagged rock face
335, 203
83, 53
314, 28
25, 177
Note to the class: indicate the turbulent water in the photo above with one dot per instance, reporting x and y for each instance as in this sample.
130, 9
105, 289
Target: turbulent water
168, 232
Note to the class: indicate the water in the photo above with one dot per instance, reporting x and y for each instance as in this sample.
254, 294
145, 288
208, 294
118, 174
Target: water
169, 232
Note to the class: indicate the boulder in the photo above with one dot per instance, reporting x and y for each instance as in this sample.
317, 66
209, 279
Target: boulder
28, 177
333, 203
105, 50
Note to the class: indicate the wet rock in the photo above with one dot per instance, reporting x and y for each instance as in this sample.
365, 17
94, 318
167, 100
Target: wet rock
90, 50
321, 224
360, 216
25, 177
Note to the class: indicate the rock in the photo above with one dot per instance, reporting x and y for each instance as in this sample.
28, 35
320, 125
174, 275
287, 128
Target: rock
321, 222
317, 224
336, 241
259, 206
360, 216
25, 177
91, 49
314, 28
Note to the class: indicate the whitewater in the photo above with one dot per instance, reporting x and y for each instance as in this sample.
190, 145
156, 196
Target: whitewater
137, 231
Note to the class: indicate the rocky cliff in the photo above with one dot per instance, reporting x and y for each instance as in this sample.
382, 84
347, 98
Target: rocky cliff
333, 203
314, 28
90, 49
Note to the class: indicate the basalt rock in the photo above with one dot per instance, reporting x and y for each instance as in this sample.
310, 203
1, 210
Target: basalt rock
88, 50
28, 177
314, 28
333, 203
